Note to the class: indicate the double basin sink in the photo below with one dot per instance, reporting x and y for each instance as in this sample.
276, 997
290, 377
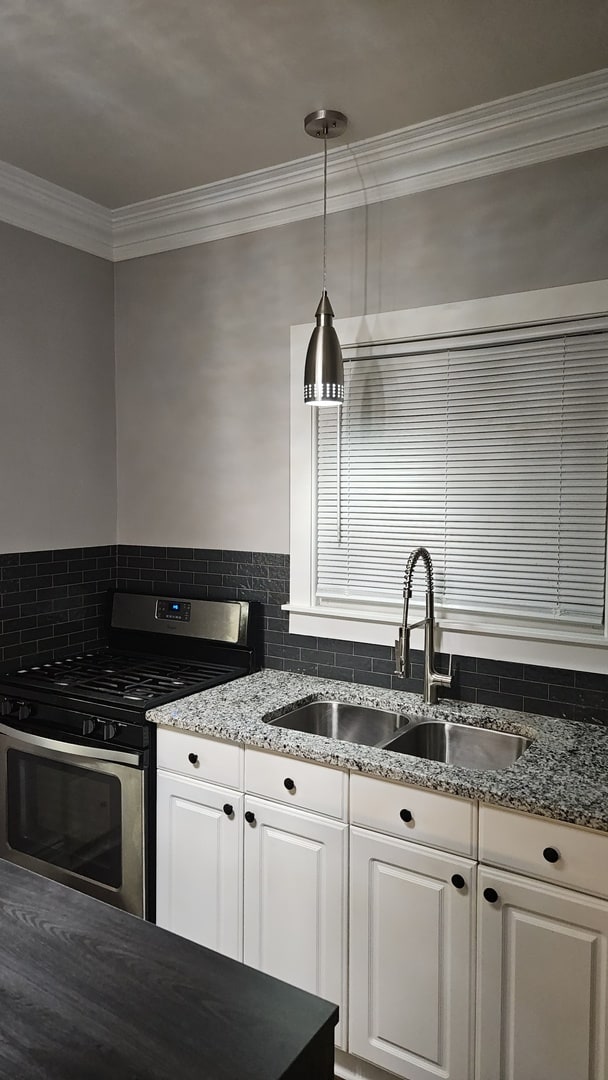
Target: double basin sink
436, 739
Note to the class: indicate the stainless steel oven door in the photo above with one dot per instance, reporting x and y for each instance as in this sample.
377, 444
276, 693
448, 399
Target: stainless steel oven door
75, 814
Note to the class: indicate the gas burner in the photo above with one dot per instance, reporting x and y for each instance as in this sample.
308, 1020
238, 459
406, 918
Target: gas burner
129, 677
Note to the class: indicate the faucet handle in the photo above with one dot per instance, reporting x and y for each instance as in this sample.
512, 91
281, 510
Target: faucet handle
399, 654
402, 652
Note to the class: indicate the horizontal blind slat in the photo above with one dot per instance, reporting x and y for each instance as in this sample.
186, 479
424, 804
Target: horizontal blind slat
493, 455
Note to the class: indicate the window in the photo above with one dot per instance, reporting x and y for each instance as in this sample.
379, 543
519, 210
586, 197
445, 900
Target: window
491, 451
479, 430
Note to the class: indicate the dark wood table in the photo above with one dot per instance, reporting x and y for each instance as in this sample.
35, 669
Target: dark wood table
89, 993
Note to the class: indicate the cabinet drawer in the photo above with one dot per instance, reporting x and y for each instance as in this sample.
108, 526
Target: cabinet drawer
412, 813
298, 783
530, 844
216, 760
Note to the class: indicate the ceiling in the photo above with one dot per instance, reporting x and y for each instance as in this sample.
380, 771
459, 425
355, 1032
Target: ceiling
124, 100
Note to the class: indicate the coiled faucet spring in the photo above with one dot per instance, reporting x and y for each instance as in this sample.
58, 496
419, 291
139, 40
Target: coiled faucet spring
432, 678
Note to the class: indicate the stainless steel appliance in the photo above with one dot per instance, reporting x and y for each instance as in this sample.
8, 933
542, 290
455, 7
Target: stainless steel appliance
77, 755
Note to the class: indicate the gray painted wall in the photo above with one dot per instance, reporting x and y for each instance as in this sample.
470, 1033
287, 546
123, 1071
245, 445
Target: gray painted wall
202, 334
57, 421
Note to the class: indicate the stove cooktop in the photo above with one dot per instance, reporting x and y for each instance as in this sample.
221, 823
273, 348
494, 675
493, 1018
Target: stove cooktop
123, 678
160, 649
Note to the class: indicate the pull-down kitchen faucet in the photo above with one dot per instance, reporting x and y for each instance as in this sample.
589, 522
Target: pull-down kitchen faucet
432, 678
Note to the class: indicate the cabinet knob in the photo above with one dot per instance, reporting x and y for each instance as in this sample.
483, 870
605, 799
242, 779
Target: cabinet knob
289, 784
551, 854
249, 816
405, 815
193, 759
228, 810
490, 895
458, 881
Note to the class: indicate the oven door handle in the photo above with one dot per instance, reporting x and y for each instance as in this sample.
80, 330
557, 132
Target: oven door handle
117, 757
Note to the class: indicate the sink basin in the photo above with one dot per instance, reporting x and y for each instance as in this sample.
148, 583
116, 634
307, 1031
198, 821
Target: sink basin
345, 721
459, 744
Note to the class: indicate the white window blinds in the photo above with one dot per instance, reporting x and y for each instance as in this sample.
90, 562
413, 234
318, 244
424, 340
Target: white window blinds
491, 451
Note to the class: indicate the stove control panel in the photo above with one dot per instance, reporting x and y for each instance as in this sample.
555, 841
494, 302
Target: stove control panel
19, 710
95, 727
173, 610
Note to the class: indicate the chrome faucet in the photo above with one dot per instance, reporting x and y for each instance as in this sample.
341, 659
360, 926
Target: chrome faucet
432, 678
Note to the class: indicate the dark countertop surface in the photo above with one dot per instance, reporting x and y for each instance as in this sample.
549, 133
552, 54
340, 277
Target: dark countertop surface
90, 993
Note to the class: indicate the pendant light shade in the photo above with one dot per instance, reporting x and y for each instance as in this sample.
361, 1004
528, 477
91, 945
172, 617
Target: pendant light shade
324, 370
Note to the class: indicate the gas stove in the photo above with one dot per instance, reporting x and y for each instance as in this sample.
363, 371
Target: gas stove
160, 649
78, 756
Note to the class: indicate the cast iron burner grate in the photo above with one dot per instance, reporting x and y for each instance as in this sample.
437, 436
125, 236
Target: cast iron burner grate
127, 677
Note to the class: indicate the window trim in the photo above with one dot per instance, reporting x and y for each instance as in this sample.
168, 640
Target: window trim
531, 643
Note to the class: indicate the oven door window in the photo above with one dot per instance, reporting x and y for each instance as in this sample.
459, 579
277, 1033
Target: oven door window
66, 816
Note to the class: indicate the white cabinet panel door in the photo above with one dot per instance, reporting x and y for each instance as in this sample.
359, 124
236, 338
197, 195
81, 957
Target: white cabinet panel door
411, 958
542, 982
199, 862
295, 900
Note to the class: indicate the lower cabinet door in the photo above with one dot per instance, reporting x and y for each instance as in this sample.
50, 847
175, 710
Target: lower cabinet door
542, 1009
199, 862
412, 965
295, 900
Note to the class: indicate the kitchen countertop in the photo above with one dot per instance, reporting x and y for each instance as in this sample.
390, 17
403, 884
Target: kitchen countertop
563, 775
88, 992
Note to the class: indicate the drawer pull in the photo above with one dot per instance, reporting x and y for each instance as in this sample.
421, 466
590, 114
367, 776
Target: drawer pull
289, 784
193, 759
405, 815
250, 817
458, 881
490, 895
228, 809
551, 854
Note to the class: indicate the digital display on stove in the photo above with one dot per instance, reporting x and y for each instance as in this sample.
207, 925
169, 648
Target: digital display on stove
173, 610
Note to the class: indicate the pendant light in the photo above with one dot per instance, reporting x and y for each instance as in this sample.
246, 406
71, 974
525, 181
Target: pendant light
324, 371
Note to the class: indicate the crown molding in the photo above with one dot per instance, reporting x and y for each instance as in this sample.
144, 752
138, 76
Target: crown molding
525, 129
41, 207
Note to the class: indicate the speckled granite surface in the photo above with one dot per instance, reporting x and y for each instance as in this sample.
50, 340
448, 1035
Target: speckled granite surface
563, 775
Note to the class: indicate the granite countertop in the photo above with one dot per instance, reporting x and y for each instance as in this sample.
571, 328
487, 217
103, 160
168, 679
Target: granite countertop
563, 775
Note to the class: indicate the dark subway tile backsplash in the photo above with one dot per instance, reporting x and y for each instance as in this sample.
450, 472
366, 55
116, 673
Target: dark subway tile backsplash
264, 578
55, 602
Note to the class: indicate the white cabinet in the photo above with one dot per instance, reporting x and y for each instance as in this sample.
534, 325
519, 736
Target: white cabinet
433, 979
288, 865
561, 854
296, 900
411, 957
304, 784
201, 757
425, 817
199, 862
542, 981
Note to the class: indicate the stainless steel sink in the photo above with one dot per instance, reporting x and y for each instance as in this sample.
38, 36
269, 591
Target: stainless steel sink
344, 721
459, 744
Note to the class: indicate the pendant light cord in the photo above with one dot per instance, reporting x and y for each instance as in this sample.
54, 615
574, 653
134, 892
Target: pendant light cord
324, 211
